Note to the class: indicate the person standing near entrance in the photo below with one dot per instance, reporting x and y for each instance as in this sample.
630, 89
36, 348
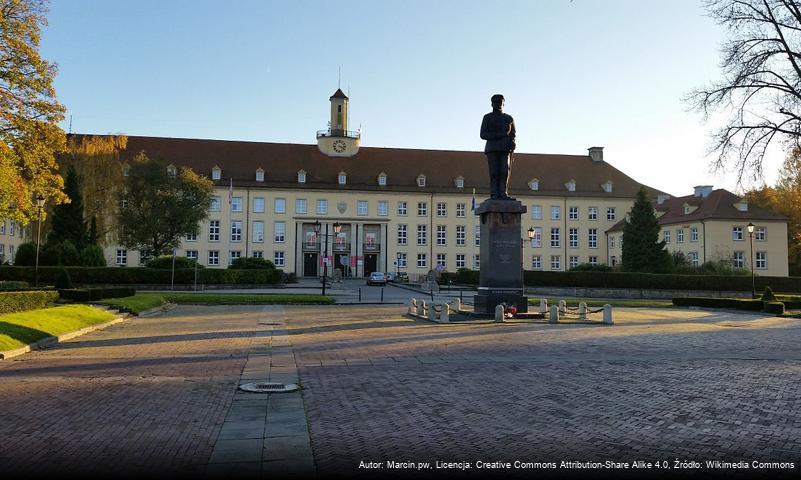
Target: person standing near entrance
498, 129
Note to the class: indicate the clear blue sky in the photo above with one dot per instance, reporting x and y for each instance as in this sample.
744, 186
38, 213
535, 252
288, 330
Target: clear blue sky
419, 73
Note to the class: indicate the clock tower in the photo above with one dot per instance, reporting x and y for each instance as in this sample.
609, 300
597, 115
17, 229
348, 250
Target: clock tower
338, 141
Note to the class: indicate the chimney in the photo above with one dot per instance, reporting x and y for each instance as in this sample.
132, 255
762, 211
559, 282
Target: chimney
596, 153
702, 191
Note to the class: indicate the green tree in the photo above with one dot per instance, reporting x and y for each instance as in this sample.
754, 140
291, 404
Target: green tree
642, 249
92, 239
161, 207
68, 222
785, 198
92, 256
29, 114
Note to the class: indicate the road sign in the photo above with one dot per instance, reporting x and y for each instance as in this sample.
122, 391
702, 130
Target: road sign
344, 260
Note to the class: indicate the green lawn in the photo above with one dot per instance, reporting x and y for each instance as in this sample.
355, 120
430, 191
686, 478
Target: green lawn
144, 301
600, 302
21, 328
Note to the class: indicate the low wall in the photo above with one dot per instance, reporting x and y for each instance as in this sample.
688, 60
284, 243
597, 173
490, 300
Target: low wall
584, 292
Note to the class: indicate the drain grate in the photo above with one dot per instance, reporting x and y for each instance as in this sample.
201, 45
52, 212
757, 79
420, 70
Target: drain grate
269, 387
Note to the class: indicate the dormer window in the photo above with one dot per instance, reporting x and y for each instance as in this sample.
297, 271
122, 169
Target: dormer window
688, 209
382, 179
459, 181
216, 173
421, 180
260, 175
571, 185
607, 187
742, 206
534, 184
301, 176
171, 171
342, 178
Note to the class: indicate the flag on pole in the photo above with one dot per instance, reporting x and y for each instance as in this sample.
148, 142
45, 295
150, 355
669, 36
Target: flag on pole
473, 203
231, 191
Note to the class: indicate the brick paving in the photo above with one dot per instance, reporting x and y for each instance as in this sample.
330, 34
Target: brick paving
152, 394
144, 395
661, 384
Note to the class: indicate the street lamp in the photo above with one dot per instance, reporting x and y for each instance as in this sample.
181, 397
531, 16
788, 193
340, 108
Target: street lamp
530, 232
337, 228
40, 201
750, 228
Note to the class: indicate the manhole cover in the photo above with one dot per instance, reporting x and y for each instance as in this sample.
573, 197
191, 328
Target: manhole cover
269, 387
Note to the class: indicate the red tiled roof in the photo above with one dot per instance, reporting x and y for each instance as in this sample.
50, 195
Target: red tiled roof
281, 162
718, 205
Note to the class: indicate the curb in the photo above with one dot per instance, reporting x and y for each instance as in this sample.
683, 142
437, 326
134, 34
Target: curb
50, 341
155, 310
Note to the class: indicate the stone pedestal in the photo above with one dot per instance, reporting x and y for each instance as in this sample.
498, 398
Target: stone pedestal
501, 275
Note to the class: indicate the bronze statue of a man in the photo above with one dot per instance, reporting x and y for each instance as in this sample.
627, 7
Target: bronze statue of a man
498, 129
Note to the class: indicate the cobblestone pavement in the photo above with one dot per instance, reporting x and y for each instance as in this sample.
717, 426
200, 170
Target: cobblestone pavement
147, 394
660, 384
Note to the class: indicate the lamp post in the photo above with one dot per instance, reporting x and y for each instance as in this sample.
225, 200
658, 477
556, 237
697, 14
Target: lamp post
337, 228
750, 228
530, 233
40, 201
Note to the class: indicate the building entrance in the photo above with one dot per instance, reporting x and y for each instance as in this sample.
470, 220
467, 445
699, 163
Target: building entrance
310, 264
345, 269
370, 263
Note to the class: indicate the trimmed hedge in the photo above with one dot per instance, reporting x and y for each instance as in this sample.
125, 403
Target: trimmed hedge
92, 294
142, 275
754, 305
776, 308
655, 281
13, 286
23, 301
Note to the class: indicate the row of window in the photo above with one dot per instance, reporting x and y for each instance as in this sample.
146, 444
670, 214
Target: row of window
342, 177
11, 252
760, 234
362, 207
572, 213
441, 235
572, 237
760, 260
441, 259
13, 228
257, 231
213, 258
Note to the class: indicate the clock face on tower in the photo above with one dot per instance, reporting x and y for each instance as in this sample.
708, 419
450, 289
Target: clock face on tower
339, 146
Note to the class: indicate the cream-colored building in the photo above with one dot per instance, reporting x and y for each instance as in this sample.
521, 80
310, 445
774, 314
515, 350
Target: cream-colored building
12, 235
397, 209
712, 225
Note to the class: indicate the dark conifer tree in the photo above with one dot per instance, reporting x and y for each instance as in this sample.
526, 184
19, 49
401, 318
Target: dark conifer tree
642, 249
68, 221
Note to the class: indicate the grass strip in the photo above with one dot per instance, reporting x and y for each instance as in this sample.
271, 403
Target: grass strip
144, 301
22, 328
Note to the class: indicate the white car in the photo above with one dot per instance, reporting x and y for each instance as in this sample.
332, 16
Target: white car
376, 278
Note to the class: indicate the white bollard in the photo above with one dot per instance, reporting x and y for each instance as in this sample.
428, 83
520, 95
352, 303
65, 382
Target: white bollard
582, 311
608, 314
432, 312
562, 307
457, 305
412, 306
445, 316
499, 314
421, 308
543, 305
554, 315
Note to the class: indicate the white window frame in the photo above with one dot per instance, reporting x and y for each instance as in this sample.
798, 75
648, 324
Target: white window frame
258, 204
536, 212
442, 235
301, 206
279, 232
536, 262
460, 261
362, 208
573, 237
556, 263
693, 234
761, 234
402, 234
383, 208
258, 231
737, 234
556, 212
761, 260
592, 238
236, 204
573, 213
402, 208
213, 258
279, 258
442, 209
592, 213
556, 237
422, 260
461, 235
422, 234
214, 230
279, 205
536, 239
122, 257
422, 209
236, 231
322, 206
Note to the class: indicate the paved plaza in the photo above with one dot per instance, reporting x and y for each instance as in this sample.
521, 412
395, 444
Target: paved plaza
157, 393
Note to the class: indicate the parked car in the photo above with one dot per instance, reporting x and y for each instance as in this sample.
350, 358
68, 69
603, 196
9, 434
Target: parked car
390, 276
377, 278
402, 277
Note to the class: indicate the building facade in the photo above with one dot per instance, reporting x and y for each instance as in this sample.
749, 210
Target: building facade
404, 210
712, 225
12, 235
